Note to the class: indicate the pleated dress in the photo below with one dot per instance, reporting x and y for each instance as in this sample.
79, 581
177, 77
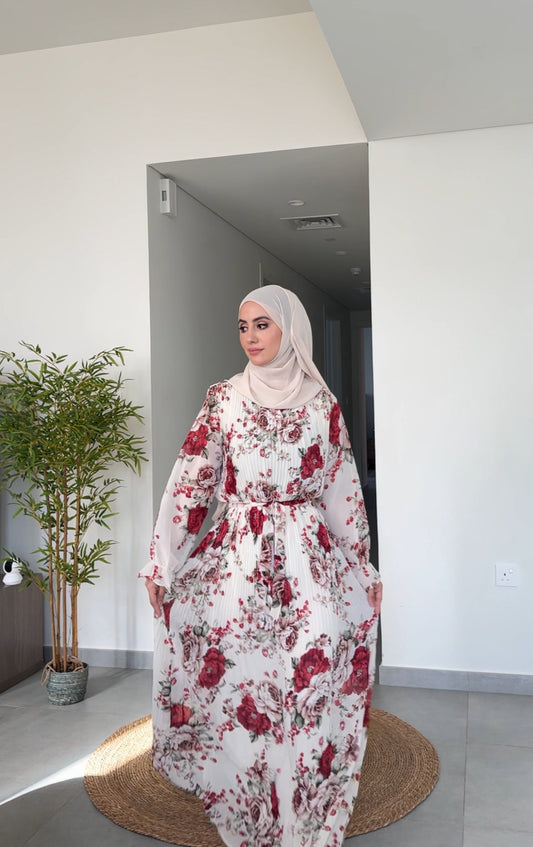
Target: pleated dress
264, 655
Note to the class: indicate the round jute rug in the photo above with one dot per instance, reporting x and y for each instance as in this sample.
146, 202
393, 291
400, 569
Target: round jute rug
400, 769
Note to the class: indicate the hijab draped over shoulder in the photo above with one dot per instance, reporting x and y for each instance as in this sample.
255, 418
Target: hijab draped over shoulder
291, 379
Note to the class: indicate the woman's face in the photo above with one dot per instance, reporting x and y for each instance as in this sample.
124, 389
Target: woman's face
260, 337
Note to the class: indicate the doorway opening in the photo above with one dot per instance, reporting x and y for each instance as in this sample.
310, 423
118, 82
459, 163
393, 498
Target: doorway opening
232, 231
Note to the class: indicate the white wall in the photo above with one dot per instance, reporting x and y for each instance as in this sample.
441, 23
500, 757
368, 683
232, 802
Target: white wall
452, 297
79, 126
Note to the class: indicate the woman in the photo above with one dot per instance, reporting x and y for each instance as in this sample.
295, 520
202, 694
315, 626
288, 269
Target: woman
263, 662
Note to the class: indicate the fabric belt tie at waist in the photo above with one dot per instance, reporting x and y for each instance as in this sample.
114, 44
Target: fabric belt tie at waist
298, 502
224, 505
260, 504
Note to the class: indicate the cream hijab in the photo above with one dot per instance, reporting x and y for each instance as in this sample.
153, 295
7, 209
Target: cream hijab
291, 379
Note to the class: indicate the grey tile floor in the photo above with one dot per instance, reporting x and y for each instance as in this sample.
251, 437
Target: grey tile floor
483, 799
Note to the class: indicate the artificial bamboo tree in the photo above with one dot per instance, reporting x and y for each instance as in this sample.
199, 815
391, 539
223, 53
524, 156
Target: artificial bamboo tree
64, 430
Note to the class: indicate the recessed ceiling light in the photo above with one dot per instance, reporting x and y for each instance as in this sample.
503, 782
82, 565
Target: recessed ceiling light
341, 252
355, 271
296, 203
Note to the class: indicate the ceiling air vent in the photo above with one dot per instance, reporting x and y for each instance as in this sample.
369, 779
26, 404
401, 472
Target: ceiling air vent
312, 222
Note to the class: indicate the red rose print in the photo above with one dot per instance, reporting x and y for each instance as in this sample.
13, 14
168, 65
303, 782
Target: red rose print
298, 801
264, 491
266, 420
360, 663
287, 593
320, 570
257, 518
211, 570
195, 441
250, 718
214, 668
191, 649
288, 636
264, 577
312, 461
179, 714
366, 719
206, 477
324, 765
203, 545
358, 680
311, 663
196, 518
334, 426
282, 591
221, 534
166, 611
274, 800
231, 482
323, 538
292, 434
267, 554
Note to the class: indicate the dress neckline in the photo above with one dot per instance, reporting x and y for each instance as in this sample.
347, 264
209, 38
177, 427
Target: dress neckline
269, 408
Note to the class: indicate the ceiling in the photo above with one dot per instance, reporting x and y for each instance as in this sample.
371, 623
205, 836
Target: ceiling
411, 67
253, 192
36, 25
414, 67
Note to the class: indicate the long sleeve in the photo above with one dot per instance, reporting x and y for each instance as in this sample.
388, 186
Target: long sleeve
343, 505
189, 491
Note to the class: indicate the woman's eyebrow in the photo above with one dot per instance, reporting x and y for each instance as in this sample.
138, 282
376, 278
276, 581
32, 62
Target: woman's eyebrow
262, 318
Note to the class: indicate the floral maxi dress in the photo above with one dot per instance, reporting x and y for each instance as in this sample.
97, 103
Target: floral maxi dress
263, 661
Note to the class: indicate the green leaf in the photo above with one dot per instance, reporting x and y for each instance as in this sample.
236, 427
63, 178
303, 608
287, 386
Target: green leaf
63, 424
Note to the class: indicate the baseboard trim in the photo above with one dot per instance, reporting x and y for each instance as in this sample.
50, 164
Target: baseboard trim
134, 659
490, 683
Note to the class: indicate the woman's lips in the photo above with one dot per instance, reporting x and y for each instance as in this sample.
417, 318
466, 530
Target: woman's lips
254, 352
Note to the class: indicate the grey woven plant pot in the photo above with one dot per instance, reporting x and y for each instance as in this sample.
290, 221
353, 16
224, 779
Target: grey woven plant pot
67, 688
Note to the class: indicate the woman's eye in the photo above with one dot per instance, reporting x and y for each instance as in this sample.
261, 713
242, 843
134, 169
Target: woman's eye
262, 326
242, 329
